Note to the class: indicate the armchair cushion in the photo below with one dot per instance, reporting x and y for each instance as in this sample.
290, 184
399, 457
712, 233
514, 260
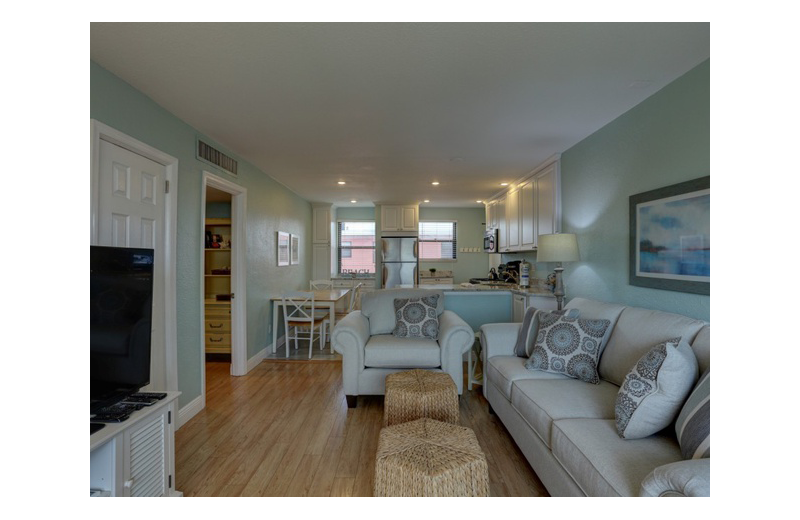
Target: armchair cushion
378, 307
387, 351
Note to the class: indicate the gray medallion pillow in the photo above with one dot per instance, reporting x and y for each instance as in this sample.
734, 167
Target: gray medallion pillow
416, 317
530, 329
654, 390
568, 346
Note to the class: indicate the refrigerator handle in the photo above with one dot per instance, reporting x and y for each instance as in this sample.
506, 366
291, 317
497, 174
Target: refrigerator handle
416, 274
383, 278
416, 249
383, 250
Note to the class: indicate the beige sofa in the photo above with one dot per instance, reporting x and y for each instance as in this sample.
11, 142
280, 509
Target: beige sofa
566, 428
370, 351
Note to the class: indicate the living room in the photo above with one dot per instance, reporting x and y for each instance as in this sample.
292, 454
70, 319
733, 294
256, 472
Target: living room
659, 140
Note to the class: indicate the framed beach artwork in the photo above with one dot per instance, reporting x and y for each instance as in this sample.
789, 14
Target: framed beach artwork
670, 237
283, 248
295, 249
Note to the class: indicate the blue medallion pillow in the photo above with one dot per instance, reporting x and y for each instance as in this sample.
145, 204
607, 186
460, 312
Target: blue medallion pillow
568, 346
416, 317
530, 329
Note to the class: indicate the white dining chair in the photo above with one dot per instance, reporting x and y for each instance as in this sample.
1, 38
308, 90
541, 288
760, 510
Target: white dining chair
301, 318
320, 285
351, 306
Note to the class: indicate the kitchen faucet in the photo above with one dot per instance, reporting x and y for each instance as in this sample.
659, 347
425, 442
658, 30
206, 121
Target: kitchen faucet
511, 273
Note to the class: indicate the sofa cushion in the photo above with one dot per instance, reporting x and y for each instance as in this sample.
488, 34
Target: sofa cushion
378, 307
568, 346
530, 329
702, 349
504, 370
603, 464
416, 317
635, 333
655, 388
387, 351
542, 401
693, 426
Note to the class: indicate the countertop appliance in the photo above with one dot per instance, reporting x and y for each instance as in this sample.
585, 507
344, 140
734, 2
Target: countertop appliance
490, 241
400, 259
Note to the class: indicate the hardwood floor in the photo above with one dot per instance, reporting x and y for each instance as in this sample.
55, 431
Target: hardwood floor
284, 430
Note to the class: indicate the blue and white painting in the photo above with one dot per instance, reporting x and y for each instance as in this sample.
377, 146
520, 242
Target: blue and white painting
673, 237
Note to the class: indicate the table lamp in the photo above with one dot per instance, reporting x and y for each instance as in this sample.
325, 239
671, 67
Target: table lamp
559, 247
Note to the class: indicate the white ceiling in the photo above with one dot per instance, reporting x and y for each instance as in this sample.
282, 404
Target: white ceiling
391, 107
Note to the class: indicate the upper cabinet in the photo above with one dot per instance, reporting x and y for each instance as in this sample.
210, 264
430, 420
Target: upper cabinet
530, 208
399, 218
321, 215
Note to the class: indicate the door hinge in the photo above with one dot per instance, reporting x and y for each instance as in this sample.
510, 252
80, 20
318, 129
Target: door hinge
167, 188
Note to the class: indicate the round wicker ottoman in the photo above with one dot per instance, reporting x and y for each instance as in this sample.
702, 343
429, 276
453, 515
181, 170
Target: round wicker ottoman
428, 458
415, 394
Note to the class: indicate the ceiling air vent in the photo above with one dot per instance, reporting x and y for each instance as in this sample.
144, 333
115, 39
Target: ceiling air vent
217, 158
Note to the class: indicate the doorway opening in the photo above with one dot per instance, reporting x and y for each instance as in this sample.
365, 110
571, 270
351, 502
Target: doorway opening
223, 273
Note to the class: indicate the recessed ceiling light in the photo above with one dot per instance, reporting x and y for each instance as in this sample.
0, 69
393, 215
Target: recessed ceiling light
503, 184
353, 201
426, 200
435, 183
341, 182
478, 201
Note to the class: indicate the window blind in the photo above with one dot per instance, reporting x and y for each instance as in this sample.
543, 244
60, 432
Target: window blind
356, 247
437, 240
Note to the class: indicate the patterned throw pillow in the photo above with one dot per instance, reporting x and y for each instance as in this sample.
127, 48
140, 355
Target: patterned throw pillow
416, 317
530, 328
568, 346
693, 425
654, 390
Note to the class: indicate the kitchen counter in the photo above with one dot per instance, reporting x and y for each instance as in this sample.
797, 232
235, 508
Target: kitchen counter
468, 287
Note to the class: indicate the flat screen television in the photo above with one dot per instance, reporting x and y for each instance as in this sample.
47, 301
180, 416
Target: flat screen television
121, 308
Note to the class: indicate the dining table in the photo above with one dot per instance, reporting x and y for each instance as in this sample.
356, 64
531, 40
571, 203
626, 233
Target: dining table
323, 299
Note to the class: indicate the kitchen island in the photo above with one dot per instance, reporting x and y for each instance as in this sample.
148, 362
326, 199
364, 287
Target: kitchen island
478, 304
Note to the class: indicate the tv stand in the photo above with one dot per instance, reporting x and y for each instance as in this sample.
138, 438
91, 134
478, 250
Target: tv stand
137, 456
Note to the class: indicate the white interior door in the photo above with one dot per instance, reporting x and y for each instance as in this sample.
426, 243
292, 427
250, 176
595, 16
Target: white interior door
130, 213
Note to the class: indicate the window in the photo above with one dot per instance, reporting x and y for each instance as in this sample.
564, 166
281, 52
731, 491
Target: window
437, 241
356, 251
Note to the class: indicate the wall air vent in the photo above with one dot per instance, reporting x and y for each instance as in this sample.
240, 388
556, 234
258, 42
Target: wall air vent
210, 154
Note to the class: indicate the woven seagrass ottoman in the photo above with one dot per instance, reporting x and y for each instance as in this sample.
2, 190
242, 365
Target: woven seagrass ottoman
414, 394
428, 458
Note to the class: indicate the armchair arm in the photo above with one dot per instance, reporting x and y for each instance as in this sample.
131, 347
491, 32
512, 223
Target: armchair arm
349, 337
498, 339
455, 338
685, 478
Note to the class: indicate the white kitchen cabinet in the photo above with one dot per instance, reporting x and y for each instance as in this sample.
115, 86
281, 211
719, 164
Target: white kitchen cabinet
321, 261
321, 232
435, 280
399, 218
529, 209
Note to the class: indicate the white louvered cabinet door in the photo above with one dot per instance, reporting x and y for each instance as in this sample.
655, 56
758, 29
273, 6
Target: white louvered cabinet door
146, 465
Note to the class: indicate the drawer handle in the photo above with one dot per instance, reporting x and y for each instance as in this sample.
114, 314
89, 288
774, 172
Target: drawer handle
212, 340
211, 325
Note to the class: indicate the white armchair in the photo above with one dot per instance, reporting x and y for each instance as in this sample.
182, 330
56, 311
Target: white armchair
370, 351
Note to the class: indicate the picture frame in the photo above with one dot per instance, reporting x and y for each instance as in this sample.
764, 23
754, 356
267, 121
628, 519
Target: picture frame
294, 249
670, 237
283, 248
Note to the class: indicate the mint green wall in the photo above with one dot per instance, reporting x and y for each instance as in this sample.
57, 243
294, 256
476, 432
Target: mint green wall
662, 141
270, 208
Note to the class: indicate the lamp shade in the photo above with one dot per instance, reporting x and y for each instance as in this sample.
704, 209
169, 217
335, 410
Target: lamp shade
560, 247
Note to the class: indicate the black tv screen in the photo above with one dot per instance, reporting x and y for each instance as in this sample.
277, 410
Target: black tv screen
121, 300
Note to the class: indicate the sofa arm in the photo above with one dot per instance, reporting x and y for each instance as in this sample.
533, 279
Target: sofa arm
455, 338
686, 478
349, 337
498, 339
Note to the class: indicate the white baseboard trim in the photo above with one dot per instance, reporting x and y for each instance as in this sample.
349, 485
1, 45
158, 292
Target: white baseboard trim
190, 410
255, 360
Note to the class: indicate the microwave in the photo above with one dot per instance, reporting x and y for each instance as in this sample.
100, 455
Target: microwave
490, 241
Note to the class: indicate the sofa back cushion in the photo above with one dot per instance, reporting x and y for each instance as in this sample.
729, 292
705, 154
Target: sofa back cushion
595, 310
378, 307
635, 333
702, 348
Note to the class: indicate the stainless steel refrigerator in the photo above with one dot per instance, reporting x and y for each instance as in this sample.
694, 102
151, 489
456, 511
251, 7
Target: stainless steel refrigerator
400, 259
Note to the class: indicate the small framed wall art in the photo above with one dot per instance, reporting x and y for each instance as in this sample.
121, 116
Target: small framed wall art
670, 237
283, 248
295, 249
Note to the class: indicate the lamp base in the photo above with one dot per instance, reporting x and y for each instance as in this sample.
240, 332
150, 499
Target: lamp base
559, 290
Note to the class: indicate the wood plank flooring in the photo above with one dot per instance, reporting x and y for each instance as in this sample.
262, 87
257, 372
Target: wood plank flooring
285, 430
